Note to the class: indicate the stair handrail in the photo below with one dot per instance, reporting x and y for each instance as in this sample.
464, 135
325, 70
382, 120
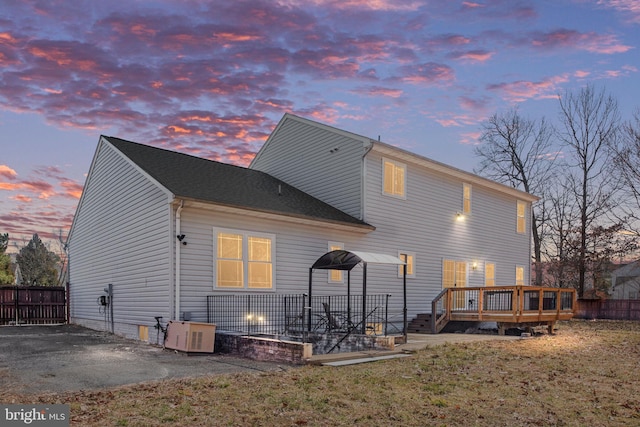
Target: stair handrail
439, 320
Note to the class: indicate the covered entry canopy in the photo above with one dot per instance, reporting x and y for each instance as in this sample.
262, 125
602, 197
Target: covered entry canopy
347, 260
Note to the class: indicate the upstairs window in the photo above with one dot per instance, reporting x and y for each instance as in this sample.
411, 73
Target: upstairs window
466, 198
394, 178
521, 220
243, 260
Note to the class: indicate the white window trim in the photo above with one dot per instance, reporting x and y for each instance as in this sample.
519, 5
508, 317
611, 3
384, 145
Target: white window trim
411, 254
404, 184
245, 259
332, 246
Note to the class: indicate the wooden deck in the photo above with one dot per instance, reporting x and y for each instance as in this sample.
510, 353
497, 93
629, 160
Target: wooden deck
507, 305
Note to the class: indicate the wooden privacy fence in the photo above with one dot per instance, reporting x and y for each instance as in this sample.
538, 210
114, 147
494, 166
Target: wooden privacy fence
613, 309
35, 305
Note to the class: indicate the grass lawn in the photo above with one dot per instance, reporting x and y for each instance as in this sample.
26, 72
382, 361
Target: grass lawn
587, 374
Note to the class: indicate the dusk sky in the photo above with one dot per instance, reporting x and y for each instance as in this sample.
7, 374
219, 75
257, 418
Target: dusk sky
212, 78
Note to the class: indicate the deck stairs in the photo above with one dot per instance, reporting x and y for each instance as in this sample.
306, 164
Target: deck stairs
421, 324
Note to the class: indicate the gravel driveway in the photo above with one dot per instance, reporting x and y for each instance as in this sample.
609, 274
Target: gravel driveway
35, 359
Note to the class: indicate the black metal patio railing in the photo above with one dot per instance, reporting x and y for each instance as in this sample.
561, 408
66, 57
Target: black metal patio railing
293, 315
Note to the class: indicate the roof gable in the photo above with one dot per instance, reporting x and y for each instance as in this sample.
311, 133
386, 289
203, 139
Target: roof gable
404, 155
199, 179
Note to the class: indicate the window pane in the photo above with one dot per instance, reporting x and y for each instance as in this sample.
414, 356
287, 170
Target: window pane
229, 246
448, 273
466, 203
461, 274
519, 276
229, 274
259, 249
399, 181
388, 177
521, 225
410, 265
259, 275
489, 274
335, 275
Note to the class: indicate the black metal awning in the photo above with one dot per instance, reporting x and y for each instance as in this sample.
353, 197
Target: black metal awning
346, 260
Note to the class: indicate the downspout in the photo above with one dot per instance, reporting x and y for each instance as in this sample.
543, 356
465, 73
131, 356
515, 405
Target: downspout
363, 188
178, 245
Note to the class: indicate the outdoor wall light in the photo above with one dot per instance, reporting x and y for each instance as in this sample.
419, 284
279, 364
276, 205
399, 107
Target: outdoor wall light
180, 237
254, 319
474, 265
459, 216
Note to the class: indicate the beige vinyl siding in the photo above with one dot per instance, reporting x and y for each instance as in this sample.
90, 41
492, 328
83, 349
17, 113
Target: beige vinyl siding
121, 236
325, 164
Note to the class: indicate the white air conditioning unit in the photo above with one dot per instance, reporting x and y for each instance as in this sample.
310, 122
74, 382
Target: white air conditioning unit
191, 337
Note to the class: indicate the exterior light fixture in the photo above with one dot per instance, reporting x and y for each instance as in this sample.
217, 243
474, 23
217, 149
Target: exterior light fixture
474, 265
459, 216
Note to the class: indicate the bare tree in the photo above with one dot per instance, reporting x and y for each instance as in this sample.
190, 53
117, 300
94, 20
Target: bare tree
559, 227
628, 167
518, 151
590, 125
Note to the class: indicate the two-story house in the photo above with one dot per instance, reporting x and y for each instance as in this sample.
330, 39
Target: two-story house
162, 230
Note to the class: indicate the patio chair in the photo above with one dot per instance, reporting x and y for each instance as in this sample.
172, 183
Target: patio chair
334, 321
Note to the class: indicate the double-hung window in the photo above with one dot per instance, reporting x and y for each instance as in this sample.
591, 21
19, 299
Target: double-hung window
243, 260
394, 178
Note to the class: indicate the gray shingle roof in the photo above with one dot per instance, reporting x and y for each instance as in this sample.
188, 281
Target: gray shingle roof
205, 180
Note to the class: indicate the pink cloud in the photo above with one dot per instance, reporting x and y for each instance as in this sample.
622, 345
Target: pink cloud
630, 9
472, 55
470, 138
522, 90
72, 189
498, 9
379, 91
427, 73
447, 41
456, 120
7, 172
571, 39
378, 5
471, 5
474, 104
22, 198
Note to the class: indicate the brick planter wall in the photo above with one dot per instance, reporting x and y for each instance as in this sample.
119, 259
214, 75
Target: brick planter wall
276, 350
